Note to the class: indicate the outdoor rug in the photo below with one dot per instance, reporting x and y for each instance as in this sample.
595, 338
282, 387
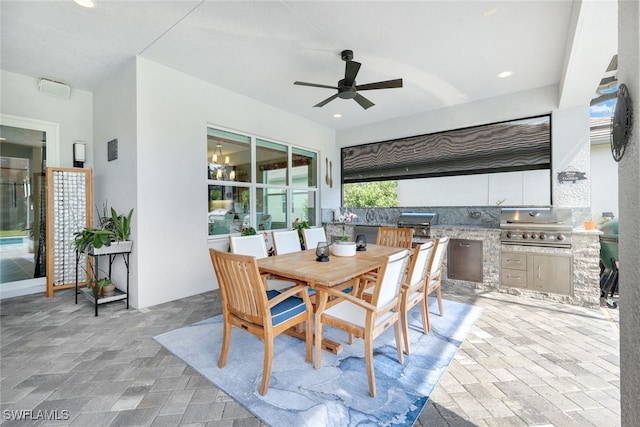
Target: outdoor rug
337, 394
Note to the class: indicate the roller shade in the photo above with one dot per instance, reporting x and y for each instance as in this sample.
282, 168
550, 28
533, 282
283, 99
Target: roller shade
517, 145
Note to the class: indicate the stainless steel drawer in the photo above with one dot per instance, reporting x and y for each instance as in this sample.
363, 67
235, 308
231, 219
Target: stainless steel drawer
514, 260
515, 278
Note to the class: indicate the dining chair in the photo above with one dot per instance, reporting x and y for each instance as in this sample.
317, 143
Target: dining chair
400, 237
312, 236
434, 282
366, 320
256, 247
266, 315
286, 242
414, 290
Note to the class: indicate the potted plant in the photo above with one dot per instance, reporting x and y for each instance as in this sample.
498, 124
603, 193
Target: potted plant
102, 287
88, 238
110, 237
343, 247
121, 225
589, 223
299, 226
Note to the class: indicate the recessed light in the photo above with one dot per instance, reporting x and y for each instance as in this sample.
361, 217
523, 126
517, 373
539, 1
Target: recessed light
337, 115
86, 3
504, 74
490, 12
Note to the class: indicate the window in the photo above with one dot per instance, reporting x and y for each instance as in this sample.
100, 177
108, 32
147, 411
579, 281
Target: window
258, 183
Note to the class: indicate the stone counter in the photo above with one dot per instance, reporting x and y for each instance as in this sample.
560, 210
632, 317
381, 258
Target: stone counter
585, 262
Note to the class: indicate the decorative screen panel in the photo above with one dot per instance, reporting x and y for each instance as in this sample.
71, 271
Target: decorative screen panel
69, 201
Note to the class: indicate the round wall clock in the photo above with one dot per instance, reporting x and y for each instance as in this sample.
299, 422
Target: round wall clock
621, 123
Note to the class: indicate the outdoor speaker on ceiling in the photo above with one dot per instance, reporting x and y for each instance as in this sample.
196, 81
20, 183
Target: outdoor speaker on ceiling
53, 88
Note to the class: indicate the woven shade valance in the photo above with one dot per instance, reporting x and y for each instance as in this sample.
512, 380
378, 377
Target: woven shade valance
499, 147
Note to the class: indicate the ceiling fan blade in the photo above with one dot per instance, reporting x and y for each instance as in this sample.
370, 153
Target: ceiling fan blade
388, 84
364, 102
326, 101
350, 72
314, 85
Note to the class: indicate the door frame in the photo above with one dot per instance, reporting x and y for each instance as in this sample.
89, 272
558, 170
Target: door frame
52, 132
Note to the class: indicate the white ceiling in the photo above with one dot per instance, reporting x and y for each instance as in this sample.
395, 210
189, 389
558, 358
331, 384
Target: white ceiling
447, 52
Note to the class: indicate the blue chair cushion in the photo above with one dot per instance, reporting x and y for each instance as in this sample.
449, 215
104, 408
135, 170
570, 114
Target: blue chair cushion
286, 309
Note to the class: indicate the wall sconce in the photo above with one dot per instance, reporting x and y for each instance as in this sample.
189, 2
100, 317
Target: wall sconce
79, 154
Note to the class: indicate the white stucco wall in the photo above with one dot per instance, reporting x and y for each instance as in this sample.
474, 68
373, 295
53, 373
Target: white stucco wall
173, 110
570, 133
21, 97
629, 200
604, 181
115, 182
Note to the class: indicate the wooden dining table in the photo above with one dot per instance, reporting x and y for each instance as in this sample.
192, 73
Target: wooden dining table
302, 267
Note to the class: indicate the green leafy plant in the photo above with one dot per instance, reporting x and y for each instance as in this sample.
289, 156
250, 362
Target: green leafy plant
88, 237
344, 239
248, 231
121, 225
98, 285
299, 226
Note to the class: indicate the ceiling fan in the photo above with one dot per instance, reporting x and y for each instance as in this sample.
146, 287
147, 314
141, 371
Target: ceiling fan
347, 88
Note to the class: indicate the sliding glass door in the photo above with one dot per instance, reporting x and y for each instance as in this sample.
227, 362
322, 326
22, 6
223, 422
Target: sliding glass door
26, 146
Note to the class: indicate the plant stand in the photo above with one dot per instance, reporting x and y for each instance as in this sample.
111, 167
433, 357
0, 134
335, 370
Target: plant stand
112, 252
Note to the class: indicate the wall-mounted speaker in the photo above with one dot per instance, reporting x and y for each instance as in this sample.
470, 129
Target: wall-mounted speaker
53, 88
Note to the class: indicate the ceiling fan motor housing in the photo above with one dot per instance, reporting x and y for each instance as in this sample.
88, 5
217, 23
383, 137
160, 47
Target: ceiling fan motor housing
345, 91
347, 55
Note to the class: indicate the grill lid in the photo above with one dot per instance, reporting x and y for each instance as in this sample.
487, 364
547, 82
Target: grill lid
556, 218
411, 219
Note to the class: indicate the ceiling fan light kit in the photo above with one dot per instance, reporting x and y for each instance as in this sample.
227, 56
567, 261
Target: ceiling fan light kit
347, 87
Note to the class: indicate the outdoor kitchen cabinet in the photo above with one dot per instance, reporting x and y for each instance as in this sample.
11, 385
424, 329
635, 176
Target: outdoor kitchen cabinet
540, 272
550, 273
465, 260
514, 269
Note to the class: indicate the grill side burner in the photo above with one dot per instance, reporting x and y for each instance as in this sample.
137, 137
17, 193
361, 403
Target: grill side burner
421, 224
547, 227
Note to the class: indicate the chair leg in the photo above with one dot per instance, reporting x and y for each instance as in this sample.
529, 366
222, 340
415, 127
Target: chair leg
368, 352
318, 343
405, 325
266, 367
439, 296
424, 311
226, 339
428, 322
399, 341
309, 337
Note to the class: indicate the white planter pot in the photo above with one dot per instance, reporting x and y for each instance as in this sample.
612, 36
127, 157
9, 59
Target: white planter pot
115, 248
343, 249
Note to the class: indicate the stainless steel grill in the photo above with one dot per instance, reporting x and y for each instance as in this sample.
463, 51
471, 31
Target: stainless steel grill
549, 227
420, 222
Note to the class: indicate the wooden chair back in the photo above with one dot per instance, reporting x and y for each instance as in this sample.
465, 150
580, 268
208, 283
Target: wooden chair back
437, 261
312, 236
285, 242
399, 237
414, 290
241, 287
249, 245
387, 289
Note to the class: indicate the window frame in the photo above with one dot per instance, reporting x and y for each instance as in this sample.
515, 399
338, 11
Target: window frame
253, 185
